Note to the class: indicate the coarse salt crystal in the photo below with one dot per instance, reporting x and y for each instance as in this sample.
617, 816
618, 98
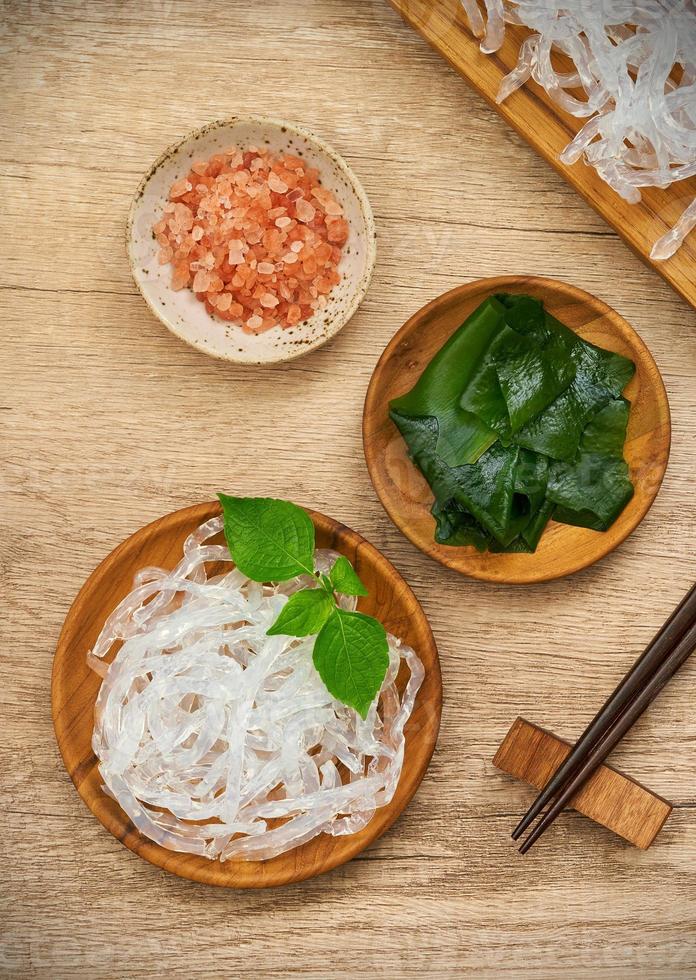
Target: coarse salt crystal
266, 268
277, 185
305, 211
200, 281
180, 187
283, 222
269, 301
254, 322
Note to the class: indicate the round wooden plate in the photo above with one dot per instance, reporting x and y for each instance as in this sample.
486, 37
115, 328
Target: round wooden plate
75, 687
403, 490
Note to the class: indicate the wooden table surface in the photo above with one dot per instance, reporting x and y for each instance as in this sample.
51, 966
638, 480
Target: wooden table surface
108, 421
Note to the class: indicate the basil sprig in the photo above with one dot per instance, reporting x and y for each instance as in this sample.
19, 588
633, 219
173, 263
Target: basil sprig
273, 541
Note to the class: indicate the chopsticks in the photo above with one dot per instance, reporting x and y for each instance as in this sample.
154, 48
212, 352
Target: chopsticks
665, 654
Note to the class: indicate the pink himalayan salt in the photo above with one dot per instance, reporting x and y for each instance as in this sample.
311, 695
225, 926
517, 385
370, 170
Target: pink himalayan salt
200, 281
304, 210
277, 185
180, 187
327, 201
235, 197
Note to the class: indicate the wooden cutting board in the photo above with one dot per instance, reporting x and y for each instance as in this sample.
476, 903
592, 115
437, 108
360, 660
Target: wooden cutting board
549, 129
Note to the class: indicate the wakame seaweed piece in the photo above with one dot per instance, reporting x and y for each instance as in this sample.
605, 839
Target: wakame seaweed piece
531, 476
595, 484
532, 378
523, 313
578, 518
483, 395
594, 489
530, 508
531, 534
522, 371
456, 527
600, 377
517, 378
606, 431
461, 435
542, 367
420, 436
485, 488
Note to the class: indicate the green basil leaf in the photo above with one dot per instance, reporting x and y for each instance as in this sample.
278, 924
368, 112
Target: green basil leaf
344, 578
303, 614
269, 540
351, 655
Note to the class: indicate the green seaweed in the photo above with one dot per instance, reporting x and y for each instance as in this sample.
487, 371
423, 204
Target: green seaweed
600, 376
461, 436
594, 489
517, 420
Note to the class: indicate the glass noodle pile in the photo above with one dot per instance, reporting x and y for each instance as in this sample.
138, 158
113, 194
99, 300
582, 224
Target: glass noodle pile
635, 62
221, 741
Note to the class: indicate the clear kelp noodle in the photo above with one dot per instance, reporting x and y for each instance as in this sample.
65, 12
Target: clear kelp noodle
517, 420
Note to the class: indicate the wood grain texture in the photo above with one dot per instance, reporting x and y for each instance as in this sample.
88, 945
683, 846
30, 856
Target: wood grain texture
107, 421
75, 687
548, 128
403, 490
609, 797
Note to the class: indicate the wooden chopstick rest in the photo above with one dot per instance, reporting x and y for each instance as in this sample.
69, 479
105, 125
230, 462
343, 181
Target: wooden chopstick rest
609, 797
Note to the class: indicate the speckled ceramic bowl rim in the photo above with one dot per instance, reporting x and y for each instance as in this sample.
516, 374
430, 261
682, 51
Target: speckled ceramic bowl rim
365, 207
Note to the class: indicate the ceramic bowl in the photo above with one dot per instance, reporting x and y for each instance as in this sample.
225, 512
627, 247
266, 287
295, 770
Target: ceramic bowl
186, 316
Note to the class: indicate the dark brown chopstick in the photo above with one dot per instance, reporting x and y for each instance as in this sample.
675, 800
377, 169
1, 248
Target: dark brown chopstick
679, 655
654, 655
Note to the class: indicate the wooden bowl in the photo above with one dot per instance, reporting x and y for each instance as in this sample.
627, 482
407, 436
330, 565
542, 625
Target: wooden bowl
188, 318
75, 687
407, 497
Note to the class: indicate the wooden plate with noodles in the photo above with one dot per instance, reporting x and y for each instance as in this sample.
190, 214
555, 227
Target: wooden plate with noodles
75, 686
407, 497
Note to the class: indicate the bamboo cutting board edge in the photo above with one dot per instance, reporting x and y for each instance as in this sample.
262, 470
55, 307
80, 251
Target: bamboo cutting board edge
548, 129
